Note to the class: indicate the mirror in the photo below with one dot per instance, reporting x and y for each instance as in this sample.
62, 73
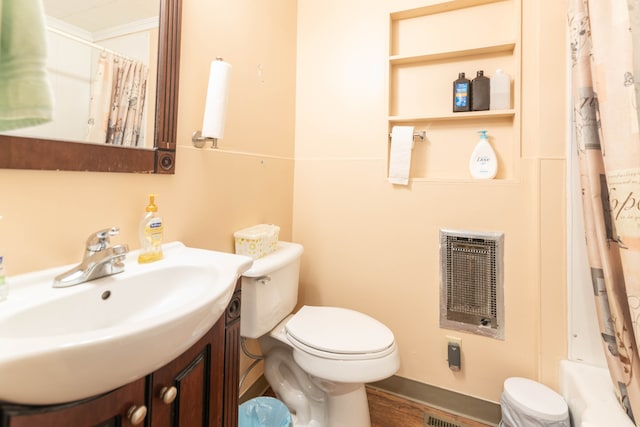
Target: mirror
22, 152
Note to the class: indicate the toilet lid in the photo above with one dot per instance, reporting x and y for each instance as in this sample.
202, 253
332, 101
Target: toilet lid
339, 331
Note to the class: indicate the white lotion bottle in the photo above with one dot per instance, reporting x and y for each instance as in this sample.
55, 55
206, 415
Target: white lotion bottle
483, 163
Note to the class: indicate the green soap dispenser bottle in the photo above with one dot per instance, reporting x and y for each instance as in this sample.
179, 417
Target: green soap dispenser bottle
4, 286
151, 233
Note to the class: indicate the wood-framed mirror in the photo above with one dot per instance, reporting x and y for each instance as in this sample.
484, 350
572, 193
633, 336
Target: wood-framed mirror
21, 152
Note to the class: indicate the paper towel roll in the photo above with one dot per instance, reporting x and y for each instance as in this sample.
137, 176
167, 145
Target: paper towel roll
215, 110
400, 156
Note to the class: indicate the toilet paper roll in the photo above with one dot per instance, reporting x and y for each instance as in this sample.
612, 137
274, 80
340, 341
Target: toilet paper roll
215, 111
400, 156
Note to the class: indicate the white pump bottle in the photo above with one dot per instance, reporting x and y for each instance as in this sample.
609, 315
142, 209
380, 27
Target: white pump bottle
483, 163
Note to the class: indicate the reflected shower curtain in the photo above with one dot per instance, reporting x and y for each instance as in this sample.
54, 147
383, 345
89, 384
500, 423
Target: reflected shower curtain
605, 42
117, 101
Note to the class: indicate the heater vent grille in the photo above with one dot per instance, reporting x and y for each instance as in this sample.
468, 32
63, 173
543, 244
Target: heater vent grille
471, 282
431, 421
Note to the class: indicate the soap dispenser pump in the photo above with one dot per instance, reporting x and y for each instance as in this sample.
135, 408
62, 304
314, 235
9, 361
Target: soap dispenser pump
151, 233
483, 163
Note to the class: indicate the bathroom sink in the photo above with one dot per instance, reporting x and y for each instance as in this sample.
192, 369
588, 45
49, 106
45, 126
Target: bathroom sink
64, 344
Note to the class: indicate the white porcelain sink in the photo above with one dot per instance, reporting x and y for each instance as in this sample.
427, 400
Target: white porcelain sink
64, 344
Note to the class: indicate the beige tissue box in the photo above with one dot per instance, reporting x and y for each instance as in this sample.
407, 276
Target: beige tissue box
257, 241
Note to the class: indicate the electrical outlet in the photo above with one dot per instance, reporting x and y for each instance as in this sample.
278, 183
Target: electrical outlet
454, 353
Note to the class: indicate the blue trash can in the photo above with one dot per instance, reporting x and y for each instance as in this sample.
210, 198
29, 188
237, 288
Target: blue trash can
264, 411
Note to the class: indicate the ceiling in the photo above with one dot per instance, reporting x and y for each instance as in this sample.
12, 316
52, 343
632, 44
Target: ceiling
97, 15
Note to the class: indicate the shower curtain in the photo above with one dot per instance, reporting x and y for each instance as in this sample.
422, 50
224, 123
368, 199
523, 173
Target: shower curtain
117, 101
605, 54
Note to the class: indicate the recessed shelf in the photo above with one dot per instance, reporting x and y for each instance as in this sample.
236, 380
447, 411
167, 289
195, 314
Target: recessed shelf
443, 6
449, 54
495, 114
465, 181
424, 57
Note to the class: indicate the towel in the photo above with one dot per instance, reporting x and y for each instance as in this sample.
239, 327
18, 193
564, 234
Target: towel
400, 156
25, 92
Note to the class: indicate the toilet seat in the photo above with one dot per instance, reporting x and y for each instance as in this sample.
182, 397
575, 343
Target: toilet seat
339, 334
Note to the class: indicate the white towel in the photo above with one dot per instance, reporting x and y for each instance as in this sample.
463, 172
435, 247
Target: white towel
400, 157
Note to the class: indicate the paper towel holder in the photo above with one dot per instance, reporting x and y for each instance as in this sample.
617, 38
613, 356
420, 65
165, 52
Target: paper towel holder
197, 139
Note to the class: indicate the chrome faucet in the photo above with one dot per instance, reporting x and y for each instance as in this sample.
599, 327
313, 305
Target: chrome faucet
100, 259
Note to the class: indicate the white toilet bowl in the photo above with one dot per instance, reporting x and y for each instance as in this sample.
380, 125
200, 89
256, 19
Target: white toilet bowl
317, 360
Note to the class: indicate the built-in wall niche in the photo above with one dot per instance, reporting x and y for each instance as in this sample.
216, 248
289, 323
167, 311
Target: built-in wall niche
429, 46
445, 153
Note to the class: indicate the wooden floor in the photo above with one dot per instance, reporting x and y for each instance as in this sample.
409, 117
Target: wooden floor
389, 410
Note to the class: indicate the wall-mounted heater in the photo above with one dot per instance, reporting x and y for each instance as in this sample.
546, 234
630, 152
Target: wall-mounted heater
471, 282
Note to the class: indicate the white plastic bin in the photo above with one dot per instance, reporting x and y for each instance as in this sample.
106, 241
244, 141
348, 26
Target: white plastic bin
525, 402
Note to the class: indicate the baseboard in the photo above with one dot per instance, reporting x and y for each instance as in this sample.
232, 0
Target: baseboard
460, 405
446, 400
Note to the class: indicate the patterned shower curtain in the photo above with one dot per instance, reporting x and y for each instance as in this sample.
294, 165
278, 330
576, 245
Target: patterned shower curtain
605, 51
117, 101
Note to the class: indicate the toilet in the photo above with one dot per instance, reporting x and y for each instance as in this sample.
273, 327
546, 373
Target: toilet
318, 359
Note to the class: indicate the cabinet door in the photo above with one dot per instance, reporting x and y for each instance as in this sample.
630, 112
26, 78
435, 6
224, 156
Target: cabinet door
116, 408
187, 392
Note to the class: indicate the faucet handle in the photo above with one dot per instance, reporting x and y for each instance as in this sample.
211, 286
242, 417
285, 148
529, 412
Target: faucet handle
99, 240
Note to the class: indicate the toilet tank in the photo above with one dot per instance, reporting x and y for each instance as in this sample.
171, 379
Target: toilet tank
270, 290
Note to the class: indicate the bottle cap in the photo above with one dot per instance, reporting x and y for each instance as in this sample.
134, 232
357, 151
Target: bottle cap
480, 73
151, 207
483, 134
461, 75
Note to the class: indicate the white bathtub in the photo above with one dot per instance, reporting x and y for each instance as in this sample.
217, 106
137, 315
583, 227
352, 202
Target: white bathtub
590, 395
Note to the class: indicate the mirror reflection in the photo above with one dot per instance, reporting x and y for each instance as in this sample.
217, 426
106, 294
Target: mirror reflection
102, 65
157, 141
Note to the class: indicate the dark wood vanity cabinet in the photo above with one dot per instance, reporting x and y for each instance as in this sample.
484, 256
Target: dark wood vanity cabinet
231, 385
198, 388
205, 377
108, 410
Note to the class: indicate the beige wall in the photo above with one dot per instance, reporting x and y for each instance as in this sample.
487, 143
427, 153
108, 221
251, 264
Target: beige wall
368, 245
374, 247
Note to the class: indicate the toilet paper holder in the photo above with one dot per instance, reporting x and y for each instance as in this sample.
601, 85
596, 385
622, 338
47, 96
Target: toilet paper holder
421, 135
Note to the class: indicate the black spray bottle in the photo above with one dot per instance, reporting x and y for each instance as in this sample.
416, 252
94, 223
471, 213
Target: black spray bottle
461, 94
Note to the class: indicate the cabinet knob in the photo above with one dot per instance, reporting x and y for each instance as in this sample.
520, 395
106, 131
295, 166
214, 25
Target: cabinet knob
136, 414
168, 394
